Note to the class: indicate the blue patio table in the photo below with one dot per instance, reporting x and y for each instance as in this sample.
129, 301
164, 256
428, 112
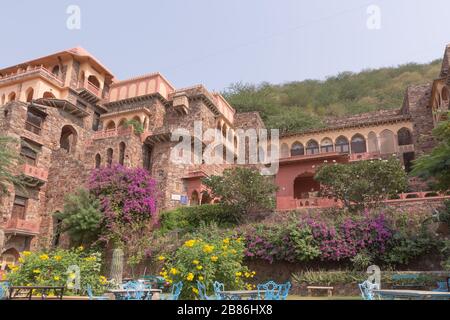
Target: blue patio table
120, 294
240, 294
413, 294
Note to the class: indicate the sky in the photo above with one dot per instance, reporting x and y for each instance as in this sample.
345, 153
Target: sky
219, 42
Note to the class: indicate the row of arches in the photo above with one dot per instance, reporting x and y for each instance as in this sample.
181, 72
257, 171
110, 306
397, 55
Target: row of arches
110, 154
200, 198
29, 96
386, 142
122, 124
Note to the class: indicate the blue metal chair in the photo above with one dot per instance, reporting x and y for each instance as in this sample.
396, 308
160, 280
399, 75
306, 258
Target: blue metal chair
268, 291
202, 292
284, 290
442, 287
366, 289
218, 289
176, 290
134, 290
91, 295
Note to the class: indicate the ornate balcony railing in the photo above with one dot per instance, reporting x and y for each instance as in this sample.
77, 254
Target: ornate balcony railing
21, 226
38, 70
112, 133
34, 172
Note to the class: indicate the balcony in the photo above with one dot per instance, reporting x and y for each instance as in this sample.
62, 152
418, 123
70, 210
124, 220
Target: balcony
90, 92
33, 128
364, 156
33, 176
112, 133
32, 72
21, 227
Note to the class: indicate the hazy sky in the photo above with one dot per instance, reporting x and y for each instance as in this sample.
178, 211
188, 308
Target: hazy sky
217, 42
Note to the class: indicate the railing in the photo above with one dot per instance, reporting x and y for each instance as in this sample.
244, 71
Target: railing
30, 71
21, 226
35, 172
364, 156
33, 128
92, 88
112, 133
288, 203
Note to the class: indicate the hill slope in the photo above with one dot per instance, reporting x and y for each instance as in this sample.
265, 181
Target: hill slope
301, 105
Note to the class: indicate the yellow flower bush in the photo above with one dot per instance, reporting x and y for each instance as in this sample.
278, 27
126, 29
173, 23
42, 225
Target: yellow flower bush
51, 269
198, 259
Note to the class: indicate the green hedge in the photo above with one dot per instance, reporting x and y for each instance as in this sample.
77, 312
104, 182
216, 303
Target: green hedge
189, 218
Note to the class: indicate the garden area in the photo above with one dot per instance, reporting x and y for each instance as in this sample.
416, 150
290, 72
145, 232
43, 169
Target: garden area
116, 245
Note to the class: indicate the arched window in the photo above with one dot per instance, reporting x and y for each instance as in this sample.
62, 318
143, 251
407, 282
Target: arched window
342, 145
30, 93
57, 228
387, 142
404, 137
285, 153
122, 153
56, 71
297, 149
122, 124
147, 157
358, 144
109, 156
111, 126
12, 97
68, 139
372, 142
98, 161
48, 95
94, 81
206, 198
312, 147
326, 145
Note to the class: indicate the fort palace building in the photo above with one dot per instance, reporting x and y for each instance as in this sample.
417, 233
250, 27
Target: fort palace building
72, 115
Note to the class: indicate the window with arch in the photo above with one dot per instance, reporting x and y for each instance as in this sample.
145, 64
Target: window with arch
387, 142
122, 147
57, 229
56, 71
68, 139
109, 156
94, 81
30, 93
12, 97
98, 161
404, 137
110, 126
358, 144
342, 145
297, 149
326, 145
147, 157
194, 199
312, 147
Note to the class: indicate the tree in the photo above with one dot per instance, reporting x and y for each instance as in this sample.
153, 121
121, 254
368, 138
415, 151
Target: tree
81, 218
9, 159
437, 163
243, 189
364, 183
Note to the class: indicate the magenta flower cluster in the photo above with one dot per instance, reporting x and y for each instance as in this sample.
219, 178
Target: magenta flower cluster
126, 194
332, 241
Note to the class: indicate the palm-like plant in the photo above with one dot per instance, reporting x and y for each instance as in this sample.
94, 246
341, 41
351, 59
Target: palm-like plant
9, 159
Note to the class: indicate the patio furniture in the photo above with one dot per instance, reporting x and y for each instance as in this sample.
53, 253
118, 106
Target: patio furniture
284, 290
218, 289
240, 294
367, 290
122, 294
270, 289
176, 290
155, 281
202, 292
412, 294
22, 292
135, 290
4, 285
319, 288
91, 295
442, 287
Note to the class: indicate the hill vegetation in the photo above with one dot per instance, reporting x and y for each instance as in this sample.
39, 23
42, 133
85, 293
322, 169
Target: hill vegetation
300, 105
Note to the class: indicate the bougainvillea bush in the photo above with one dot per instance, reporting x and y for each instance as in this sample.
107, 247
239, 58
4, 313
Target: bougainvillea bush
219, 259
374, 236
52, 269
